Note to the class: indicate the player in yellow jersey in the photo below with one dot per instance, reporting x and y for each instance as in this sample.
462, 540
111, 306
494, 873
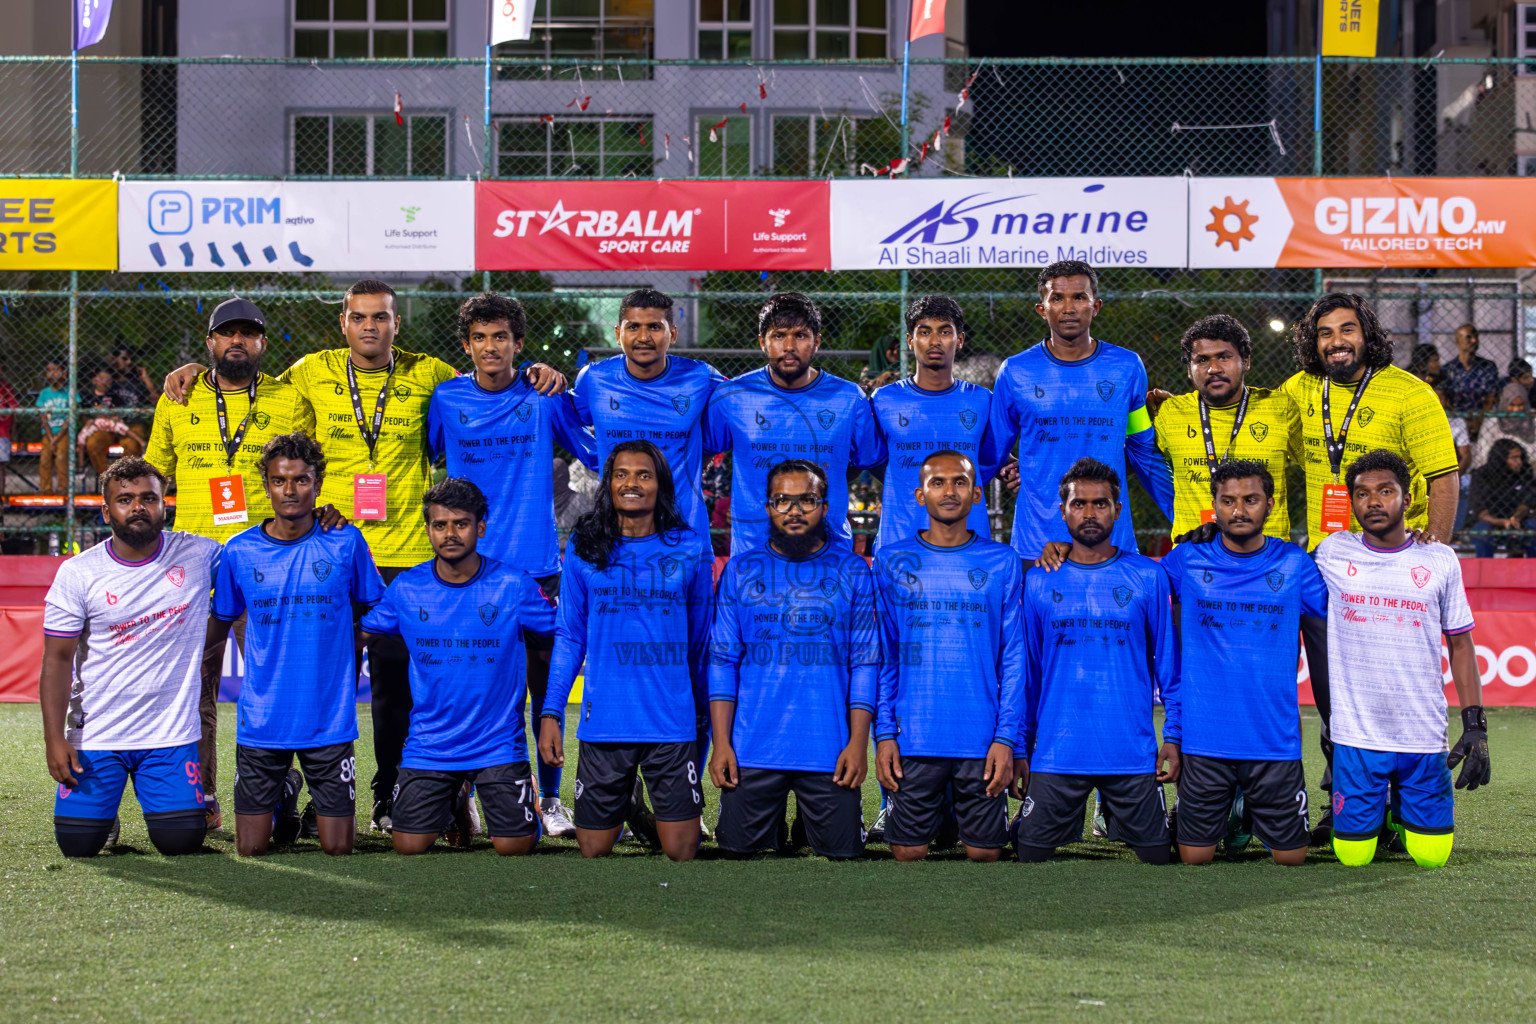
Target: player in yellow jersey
370, 401
1352, 400
1223, 419
210, 445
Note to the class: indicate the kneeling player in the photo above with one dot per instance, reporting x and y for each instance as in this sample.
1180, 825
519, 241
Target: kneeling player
636, 593
463, 618
1390, 601
1090, 684
299, 696
121, 677
792, 677
1237, 610
948, 698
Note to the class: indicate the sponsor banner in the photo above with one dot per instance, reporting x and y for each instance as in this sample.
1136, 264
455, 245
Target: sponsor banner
1009, 222
1506, 657
1361, 222
232, 226
651, 225
53, 224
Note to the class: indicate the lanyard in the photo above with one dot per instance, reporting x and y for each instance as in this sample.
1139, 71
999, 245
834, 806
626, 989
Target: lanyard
1205, 427
231, 444
1336, 448
370, 437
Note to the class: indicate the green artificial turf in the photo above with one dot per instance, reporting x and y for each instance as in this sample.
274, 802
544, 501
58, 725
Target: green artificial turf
298, 936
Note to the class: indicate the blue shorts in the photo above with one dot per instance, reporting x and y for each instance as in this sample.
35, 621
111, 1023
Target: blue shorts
1422, 798
164, 779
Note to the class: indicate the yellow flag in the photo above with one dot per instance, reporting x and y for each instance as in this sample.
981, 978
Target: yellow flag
58, 224
1349, 28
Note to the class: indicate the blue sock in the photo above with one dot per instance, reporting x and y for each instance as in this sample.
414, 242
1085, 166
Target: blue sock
549, 778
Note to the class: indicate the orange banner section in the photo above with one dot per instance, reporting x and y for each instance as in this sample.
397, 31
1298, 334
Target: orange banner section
1409, 222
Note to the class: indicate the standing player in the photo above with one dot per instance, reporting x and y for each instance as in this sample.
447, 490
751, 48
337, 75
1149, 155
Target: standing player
464, 617
792, 677
499, 432
299, 695
635, 603
1224, 418
370, 401
1098, 646
1352, 400
1390, 603
950, 673
648, 394
119, 686
928, 412
1237, 606
1072, 395
788, 409
210, 445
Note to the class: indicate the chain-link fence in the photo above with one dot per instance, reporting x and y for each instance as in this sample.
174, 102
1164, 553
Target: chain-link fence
563, 119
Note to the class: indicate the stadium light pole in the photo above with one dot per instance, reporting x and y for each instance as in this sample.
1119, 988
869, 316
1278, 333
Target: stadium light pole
74, 282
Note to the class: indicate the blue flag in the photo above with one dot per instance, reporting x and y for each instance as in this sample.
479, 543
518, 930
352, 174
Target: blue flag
91, 17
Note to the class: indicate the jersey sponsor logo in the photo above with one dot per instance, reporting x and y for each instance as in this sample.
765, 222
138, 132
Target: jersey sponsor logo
1056, 596
261, 420
1350, 569
828, 587
1122, 596
978, 578
178, 575
669, 567
193, 419
1259, 431
1039, 391
463, 416
111, 598
968, 419
1276, 579
902, 419
1420, 576
488, 612
613, 403
1189, 431
680, 403
523, 412
1365, 415
321, 568
421, 613
261, 577
762, 420
826, 417
757, 588
1205, 575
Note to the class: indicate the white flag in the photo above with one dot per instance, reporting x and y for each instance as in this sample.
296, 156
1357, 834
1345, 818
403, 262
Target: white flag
511, 19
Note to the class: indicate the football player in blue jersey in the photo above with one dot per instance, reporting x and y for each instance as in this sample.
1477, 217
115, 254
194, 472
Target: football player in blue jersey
789, 409
1098, 647
1070, 396
464, 618
636, 600
497, 430
303, 588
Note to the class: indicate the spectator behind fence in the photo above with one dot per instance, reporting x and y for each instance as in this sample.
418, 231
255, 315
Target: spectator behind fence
884, 364
1516, 424
53, 469
1463, 441
9, 399
1503, 491
134, 388
1520, 373
1473, 380
1425, 364
103, 428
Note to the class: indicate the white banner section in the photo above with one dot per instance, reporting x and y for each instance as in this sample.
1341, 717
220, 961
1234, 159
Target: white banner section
1009, 222
234, 226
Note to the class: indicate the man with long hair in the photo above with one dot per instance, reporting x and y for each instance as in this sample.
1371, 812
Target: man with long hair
636, 596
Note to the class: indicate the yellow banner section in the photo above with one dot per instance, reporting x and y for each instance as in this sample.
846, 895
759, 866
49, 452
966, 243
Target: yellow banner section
58, 224
1349, 28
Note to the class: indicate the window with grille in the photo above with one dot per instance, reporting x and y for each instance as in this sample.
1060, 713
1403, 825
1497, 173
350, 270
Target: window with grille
815, 146
827, 29
592, 30
367, 145
725, 29
602, 147
729, 155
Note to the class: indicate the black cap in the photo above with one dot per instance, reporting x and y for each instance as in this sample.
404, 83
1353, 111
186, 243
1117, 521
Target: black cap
235, 309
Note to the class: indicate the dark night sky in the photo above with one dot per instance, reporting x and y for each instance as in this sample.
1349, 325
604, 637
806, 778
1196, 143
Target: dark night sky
1116, 28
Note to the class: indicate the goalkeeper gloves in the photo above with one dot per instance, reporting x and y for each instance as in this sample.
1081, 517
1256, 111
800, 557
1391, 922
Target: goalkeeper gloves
1473, 746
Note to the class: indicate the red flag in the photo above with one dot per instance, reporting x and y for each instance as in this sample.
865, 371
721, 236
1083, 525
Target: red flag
399, 118
927, 18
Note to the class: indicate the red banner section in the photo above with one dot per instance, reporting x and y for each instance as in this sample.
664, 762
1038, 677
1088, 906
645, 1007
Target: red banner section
21, 638
1505, 657
652, 225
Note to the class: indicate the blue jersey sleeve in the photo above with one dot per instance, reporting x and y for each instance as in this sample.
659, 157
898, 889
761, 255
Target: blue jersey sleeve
1314, 592
1033, 675
1165, 658
725, 641
436, 443
889, 674
570, 639
383, 617
714, 431
1002, 424
569, 431
1147, 460
228, 600
367, 584
536, 613
863, 642
581, 396
701, 607
868, 442
1010, 662
1172, 565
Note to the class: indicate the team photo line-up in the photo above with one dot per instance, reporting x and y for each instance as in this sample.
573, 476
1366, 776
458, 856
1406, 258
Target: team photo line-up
308, 525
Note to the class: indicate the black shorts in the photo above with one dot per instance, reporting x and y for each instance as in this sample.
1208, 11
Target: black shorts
425, 799
605, 781
914, 811
1053, 810
1274, 795
329, 772
752, 813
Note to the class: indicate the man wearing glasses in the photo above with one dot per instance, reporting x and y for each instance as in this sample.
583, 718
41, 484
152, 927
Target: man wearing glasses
210, 448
